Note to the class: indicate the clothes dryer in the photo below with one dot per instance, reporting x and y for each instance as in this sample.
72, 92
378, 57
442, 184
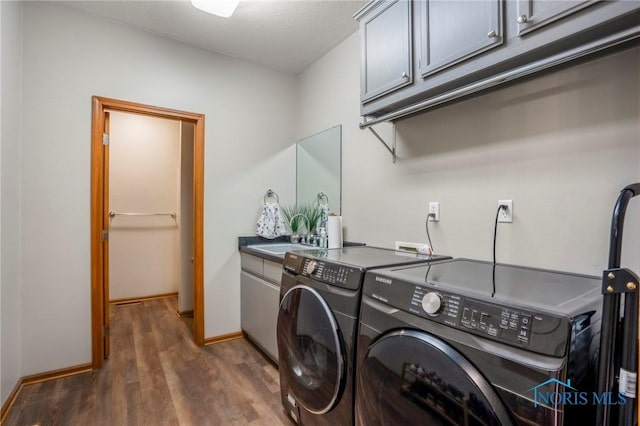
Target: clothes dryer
317, 325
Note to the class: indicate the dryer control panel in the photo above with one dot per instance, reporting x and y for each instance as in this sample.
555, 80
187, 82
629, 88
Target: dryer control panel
330, 273
512, 325
323, 271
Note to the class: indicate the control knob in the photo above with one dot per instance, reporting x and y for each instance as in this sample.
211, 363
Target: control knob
311, 267
432, 303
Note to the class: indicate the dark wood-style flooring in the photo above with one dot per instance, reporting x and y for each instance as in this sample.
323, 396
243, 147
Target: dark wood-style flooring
157, 376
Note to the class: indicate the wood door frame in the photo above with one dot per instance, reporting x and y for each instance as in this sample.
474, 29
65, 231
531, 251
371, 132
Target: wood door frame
99, 105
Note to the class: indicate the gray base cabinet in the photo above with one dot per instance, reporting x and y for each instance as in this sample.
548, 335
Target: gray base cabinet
455, 44
259, 300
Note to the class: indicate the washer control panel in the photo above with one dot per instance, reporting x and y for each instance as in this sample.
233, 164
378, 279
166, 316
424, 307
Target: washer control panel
331, 273
484, 316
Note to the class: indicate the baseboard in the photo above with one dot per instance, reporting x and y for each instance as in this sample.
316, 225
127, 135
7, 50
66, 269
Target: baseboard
57, 374
184, 314
9, 402
39, 378
223, 338
141, 299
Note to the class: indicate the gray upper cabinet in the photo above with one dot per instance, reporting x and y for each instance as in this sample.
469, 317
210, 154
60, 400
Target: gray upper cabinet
385, 31
533, 14
424, 53
453, 31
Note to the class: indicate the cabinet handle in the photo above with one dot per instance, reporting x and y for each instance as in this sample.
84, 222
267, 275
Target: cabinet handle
404, 75
492, 34
522, 19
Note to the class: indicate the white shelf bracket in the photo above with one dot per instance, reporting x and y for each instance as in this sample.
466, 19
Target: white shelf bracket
392, 148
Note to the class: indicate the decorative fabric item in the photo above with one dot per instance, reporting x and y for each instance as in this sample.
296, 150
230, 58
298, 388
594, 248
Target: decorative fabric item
270, 223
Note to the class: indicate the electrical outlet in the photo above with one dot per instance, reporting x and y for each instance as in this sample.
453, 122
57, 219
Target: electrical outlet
506, 215
434, 210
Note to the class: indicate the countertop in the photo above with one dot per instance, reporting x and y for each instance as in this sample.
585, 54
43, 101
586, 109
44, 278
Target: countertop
245, 242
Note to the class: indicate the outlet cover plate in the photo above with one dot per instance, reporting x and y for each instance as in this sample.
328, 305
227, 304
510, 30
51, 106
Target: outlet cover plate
506, 216
434, 207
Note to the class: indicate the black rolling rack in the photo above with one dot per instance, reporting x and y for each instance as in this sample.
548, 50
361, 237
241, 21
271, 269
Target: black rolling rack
619, 336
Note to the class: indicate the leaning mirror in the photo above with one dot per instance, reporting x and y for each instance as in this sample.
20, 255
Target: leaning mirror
318, 168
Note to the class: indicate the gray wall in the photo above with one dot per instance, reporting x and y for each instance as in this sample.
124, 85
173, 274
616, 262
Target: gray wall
11, 85
250, 126
560, 146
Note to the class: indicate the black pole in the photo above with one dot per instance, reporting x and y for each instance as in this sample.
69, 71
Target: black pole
617, 223
629, 361
606, 368
611, 307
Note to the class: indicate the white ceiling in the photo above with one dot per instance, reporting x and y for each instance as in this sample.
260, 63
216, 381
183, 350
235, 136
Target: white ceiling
286, 35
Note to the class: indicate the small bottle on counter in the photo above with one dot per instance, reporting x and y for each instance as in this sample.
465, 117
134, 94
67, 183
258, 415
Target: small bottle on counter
323, 238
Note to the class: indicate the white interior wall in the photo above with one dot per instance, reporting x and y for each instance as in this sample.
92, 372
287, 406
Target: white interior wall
10, 133
560, 146
144, 177
249, 131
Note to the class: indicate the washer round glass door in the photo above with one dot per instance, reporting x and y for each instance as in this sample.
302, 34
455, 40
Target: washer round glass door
410, 377
310, 349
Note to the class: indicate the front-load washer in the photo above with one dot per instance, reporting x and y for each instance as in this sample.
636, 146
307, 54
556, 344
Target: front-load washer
464, 342
317, 325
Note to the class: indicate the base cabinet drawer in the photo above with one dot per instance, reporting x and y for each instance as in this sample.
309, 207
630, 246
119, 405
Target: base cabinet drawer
273, 271
253, 264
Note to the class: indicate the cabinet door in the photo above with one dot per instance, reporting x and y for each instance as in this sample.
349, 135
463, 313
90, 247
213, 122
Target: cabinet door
533, 14
452, 31
385, 34
259, 312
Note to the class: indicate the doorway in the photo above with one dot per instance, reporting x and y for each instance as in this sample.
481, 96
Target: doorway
100, 216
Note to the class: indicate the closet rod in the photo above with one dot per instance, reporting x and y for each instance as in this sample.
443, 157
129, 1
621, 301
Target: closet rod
113, 214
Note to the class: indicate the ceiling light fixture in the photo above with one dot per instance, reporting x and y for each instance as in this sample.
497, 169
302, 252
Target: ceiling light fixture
224, 8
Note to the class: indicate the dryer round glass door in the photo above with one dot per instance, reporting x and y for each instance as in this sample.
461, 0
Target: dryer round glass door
412, 378
311, 356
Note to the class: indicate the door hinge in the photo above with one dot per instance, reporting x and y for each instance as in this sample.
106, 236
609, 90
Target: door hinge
105, 139
106, 330
105, 235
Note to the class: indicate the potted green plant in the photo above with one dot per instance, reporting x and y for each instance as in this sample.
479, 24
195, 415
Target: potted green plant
295, 218
313, 214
